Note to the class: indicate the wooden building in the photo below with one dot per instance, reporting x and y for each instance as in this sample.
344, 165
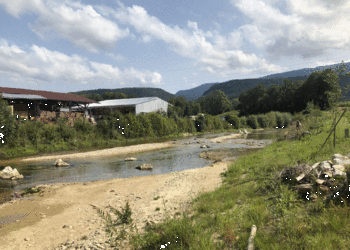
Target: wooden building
30, 103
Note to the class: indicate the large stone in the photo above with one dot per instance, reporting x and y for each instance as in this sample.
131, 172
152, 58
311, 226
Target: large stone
341, 161
303, 188
145, 166
9, 173
245, 131
60, 163
339, 167
130, 159
324, 166
205, 146
338, 172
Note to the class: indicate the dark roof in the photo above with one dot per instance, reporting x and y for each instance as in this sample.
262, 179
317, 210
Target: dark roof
48, 95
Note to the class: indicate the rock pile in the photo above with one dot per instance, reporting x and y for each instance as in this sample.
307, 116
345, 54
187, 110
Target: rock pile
327, 179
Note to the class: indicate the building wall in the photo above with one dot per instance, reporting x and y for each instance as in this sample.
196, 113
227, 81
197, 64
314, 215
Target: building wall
152, 106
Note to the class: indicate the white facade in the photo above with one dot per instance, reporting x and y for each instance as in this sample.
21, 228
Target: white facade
148, 106
140, 105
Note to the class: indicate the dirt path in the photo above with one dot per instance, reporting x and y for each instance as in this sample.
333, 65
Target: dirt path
73, 204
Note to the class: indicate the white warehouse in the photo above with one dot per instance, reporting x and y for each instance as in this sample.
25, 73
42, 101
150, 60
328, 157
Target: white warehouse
134, 105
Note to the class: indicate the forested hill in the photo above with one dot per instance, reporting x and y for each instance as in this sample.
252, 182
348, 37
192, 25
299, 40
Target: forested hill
134, 92
234, 88
195, 93
306, 71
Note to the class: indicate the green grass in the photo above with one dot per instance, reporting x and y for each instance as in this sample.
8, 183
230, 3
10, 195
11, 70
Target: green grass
222, 219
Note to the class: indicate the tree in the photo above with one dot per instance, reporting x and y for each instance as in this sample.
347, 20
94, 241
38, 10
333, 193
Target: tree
7, 124
216, 103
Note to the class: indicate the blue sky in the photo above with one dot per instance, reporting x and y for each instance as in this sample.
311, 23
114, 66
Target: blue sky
69, 45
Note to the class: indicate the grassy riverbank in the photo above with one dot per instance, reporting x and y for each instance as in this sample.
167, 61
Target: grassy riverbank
222, 219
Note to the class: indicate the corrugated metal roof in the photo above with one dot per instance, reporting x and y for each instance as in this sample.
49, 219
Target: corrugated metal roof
120, 102
21, 96
47, 94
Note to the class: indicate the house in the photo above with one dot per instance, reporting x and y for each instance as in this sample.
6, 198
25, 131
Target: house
134, 105
31, 103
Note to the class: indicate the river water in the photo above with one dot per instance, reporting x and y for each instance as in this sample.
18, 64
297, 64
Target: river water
185, 156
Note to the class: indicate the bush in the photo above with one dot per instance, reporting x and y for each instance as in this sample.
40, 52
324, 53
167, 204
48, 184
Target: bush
234, 120
280, 120
81, 125
8, 126
243, 121
252, 121
272, 119
146, 127
66, 132
200, 124
263, 121
287, 119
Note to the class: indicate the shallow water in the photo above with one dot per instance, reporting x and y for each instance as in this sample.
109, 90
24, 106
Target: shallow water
186, 156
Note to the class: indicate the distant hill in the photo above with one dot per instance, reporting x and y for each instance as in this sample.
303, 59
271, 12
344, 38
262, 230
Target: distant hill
195, 93
304, 72
234, 88
140, 92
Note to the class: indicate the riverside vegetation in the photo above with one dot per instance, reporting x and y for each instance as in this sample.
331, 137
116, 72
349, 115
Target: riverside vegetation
26, 138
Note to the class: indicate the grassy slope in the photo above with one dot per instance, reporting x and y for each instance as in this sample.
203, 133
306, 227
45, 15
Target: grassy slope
222, 219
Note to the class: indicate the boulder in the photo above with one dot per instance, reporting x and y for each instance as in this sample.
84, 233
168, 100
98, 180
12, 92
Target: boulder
339, 167
240, 131
9, 173
205, 146
324, 165
303, 188
338, 172
60, 163
245, 131
130, 159
145, 166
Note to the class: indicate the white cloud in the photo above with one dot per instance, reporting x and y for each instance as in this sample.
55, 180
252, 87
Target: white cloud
81, 25
42, 65
309, 30
210, 50
118, 57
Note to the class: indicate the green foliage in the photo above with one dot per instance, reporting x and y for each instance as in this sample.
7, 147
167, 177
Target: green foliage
125, 215
146, 126
280, 120
200, 123
66, 132
7, 124
287, 119
81, 125
263, 121
252, 121
234, 120
159, 125
215, 103
243, 121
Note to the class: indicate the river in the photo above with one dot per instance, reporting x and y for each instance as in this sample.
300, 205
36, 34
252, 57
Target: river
185, 156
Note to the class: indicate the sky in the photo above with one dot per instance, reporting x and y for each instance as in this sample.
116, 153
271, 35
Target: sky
66, 46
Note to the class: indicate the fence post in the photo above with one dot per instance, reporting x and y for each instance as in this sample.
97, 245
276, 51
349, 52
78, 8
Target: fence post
346, 133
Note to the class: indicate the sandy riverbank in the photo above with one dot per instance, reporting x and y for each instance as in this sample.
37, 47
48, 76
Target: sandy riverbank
72, 204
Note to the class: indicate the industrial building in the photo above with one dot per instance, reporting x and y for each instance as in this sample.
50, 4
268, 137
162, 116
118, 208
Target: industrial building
133, 105
31, 103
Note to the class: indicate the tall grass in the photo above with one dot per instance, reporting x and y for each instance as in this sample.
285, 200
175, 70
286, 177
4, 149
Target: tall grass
222, 219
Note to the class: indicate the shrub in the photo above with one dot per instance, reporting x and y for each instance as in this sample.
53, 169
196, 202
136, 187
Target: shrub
234, 120
287, 119
200, 123
7, 124
81, 125
272, 119
252, 121
279, 120
243, 121
218, 123
66, 132
263, 121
